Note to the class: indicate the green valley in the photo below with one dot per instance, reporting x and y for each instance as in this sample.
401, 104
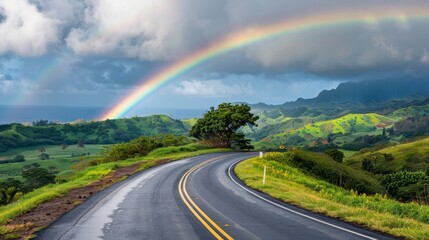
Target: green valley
97, 132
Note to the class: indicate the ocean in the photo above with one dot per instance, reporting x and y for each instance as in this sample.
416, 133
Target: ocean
23, 114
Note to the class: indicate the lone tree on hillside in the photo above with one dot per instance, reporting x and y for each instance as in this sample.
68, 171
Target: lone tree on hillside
219, 126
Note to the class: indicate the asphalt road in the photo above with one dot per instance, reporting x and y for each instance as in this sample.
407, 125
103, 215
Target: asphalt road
194, 198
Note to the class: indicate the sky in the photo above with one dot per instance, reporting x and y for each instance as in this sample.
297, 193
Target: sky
96, 52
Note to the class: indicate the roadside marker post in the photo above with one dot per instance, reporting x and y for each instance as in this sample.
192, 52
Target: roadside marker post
265, 173
261, 154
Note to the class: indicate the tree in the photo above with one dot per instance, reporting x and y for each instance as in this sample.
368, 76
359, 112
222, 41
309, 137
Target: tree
81, 144
44, 156
335, 154
391, 132
42, 150
64, 146
219, 126
384, 131
37, 177
8, 195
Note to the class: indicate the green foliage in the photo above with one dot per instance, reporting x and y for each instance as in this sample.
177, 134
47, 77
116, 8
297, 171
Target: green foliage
365, 142
102, 132
322, 166
377, 163
335, 154
141, 147
413, 126
16, 159
407, 186
59, 158
240, 142
36, 177
335, 131
412, 156
44, 156
159, 152
219, 126
7, 195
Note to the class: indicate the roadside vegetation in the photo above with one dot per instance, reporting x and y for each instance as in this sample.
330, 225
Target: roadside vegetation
307, 187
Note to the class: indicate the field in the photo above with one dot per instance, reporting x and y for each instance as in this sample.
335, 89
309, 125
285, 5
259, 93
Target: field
60, 159
289, 184
412, 156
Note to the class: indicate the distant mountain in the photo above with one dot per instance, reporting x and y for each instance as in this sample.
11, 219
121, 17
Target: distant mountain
364, 93
375, 91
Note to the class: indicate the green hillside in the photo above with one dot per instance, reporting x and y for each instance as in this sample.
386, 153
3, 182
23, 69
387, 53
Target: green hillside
101, 132
60, 160
341, 129
188, 123
413, 156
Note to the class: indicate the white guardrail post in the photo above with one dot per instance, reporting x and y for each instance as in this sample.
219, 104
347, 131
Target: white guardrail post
265, 173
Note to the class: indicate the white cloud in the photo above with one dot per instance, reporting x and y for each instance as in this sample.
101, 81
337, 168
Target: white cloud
106, 75
135, 28
425, 56
16, 86
213, 88
24, 30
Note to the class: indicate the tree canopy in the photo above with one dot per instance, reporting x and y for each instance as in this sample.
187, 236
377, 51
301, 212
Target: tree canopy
219, 126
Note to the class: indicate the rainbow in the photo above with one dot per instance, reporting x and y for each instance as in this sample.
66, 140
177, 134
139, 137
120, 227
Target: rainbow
44, 78
257, 34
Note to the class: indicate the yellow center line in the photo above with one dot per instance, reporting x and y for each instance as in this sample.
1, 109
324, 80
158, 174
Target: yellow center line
213, 232
193, 206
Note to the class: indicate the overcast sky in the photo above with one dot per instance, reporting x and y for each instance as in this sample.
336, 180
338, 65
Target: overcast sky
94, 52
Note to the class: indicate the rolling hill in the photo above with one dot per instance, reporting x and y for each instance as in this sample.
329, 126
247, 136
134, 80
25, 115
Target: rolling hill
343, 129
101, 132
412, 156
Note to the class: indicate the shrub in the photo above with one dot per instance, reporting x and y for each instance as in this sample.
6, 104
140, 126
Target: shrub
405, 185
44, 156
377, 163
141, 147
37, 177
335, 154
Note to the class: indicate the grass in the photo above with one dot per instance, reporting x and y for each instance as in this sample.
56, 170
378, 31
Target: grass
89, 175
59, 158
289, 184
352, 124
348, 153
413, 156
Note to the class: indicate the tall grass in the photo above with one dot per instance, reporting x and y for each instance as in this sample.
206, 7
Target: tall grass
408, 220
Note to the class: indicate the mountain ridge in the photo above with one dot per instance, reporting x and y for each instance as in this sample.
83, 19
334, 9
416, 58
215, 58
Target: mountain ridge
361, 94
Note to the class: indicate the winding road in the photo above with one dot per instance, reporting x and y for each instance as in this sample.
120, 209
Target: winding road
194, 198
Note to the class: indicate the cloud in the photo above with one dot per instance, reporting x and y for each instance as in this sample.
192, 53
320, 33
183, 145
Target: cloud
13, 87
148, 30
212, 88
425, 56
24, 30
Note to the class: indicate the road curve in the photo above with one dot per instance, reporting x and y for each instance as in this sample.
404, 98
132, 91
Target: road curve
194, 198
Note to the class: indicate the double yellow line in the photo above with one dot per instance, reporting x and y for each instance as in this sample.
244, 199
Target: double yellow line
208, 223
